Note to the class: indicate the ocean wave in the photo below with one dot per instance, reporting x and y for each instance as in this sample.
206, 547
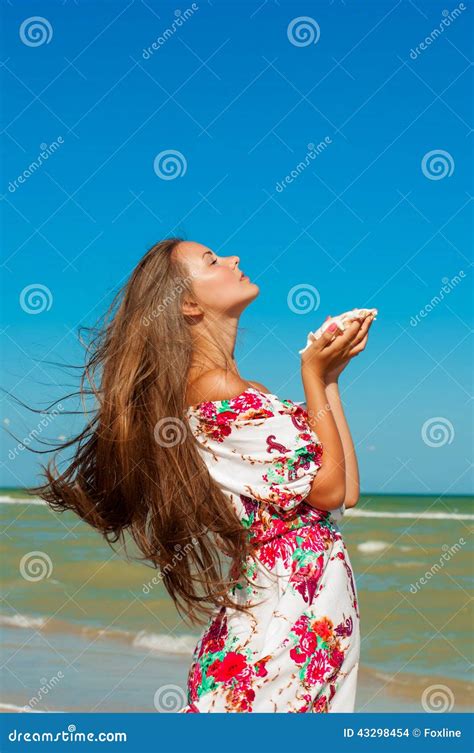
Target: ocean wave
369, 547
22, 621
161, 643
354, 513
7, 500
11, 707
179, 644
351, 512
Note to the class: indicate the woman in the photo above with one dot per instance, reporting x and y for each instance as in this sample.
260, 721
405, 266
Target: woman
229, 490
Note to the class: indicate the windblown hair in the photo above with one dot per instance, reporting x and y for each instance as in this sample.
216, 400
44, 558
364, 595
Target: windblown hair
136, 469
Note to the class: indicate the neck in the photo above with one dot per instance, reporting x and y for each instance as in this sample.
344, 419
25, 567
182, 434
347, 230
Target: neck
214, 344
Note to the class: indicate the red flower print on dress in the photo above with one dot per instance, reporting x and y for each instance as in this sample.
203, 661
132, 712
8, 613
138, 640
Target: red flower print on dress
323, 628
305, 579
230, 666
318, 668
260, 668
225, 417
336, 658
279, 548
320, 705
295, 648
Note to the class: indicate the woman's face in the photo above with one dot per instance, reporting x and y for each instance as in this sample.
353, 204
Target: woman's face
220, 286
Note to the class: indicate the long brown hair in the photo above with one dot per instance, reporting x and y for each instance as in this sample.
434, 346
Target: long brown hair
136, 468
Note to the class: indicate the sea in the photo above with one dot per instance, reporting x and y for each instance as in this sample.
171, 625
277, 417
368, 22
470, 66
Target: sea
83, 628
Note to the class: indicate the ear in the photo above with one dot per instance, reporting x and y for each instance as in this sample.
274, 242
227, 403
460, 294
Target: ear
191, 308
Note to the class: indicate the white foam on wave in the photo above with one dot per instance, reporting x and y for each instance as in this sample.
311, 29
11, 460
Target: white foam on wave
22, 621
19, 709
157, 642
354, 513
7, 500
369, 547
170, 644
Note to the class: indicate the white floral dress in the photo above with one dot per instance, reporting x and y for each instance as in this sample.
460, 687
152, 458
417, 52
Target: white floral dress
298, 649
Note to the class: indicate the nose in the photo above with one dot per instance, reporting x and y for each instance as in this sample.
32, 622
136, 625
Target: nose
236, 260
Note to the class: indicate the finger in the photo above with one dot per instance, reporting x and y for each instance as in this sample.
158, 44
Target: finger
331, 333
347, 337
364, 329
359, 347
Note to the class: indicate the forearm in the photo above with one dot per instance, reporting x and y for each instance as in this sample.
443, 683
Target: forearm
352, 480
328, 489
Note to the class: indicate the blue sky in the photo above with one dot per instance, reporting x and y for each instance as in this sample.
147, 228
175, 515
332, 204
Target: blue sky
374, 220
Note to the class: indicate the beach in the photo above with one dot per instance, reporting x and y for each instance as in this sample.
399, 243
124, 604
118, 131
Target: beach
85, 630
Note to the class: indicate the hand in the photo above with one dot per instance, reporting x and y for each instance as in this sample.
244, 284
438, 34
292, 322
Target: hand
328, 355
358, 346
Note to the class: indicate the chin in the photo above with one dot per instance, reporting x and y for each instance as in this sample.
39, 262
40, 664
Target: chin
253, 291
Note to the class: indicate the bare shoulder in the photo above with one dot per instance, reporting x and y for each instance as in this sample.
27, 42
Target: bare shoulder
215, 384
259, 386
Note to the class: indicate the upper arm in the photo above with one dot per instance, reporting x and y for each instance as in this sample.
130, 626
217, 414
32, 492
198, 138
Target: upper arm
325, 492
